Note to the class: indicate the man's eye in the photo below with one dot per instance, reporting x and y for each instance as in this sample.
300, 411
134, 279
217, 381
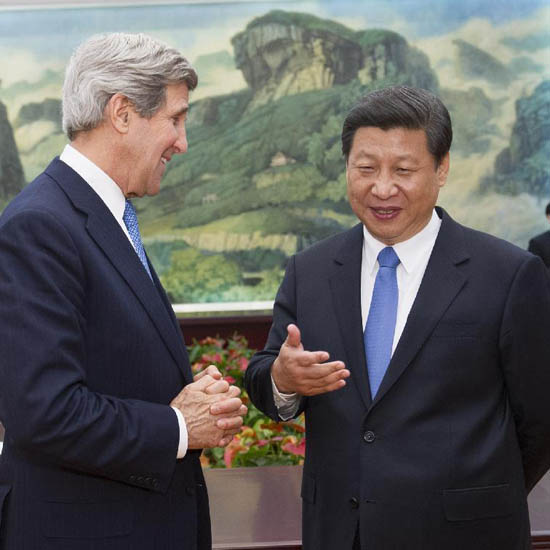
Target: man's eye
404, 170
366, 168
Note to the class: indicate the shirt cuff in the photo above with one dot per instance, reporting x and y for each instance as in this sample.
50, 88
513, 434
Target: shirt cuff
286, 403
182, 446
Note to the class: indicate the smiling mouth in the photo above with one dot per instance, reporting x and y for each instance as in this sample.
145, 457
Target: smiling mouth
385, 213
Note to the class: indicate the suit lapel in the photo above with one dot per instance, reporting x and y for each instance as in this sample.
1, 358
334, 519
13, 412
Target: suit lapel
441, 283
106, 232
173, 318
345, 286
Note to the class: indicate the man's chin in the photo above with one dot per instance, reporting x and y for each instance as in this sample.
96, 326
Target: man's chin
153, 189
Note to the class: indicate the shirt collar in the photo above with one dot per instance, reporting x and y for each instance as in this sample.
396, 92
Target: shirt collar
109, 192
411, 252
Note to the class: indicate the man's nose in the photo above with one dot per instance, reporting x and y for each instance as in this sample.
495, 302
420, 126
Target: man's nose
180, 146
384, 187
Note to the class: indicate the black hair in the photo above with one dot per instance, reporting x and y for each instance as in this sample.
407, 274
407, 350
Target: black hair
402, 107
548, 209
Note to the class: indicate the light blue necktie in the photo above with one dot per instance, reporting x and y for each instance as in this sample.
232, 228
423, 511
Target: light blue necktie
130, 220
380, 326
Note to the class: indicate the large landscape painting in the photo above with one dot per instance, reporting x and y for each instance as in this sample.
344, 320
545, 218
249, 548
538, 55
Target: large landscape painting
264, 175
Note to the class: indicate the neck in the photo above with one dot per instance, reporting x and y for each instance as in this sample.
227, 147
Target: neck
103, 152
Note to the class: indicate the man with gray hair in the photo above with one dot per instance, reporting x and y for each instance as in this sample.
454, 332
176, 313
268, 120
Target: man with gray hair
104, 422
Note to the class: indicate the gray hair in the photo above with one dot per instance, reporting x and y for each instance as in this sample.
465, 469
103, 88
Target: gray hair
134, 65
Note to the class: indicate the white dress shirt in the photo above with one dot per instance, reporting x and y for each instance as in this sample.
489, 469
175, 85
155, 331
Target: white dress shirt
414, 255
113, 197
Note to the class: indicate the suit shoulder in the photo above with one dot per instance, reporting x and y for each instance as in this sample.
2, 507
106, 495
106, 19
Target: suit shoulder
330, 244
43, 194
495, 249
542, 237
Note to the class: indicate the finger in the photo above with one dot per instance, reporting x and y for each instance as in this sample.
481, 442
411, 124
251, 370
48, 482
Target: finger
202, 383
331, 382
226, 406
316, 371
322, 384
211, 370
307, 358
230, 424
330, 378
233, 391
293, 338
324, 389
225, 441
241, 411
218, 386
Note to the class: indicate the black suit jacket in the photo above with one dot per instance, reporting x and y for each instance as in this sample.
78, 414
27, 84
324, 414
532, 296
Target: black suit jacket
540, 246
91, 356
459, 430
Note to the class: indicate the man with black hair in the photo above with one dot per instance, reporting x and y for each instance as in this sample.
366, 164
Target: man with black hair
418, 350
540, 245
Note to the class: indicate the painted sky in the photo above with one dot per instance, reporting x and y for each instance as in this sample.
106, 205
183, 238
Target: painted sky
40, 38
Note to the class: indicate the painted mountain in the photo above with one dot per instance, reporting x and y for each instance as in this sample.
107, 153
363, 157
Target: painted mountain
264, 175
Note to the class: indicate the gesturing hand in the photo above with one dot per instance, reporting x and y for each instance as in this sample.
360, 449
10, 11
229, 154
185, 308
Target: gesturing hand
306, 372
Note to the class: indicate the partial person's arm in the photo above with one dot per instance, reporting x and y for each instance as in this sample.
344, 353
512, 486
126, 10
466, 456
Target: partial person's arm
287, 403
525, 352
284, 366
49, 409
534, 248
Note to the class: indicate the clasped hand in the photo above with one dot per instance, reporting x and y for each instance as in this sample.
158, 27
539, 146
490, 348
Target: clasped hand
212, 410
306, 372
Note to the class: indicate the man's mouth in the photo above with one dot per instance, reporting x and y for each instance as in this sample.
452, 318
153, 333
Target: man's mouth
387, 213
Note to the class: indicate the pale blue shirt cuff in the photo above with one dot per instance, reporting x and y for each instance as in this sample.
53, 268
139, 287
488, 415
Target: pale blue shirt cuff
182, 446
287, 403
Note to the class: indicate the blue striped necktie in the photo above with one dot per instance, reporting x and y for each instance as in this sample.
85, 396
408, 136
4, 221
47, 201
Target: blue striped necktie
130, 220
380, 327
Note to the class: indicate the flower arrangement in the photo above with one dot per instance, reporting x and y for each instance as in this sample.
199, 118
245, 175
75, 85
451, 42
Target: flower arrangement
261, 441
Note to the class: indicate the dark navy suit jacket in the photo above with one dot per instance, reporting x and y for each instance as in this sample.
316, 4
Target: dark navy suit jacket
90, 357
540, 245
459, 430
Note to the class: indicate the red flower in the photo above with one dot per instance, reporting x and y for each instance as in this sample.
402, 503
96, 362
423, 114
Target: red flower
197, 367
229, 379
209, 341
292, 448
215, 358
295, 426
243, 363
273, 426
231, 451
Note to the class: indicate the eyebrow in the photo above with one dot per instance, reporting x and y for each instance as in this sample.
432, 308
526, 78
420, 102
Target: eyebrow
363, 154
181, 111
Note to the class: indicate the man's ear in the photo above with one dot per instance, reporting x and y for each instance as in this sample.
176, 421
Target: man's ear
443, 170
118, 113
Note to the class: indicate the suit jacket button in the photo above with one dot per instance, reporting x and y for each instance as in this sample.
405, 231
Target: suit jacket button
132, 478
369, 437
354, 503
